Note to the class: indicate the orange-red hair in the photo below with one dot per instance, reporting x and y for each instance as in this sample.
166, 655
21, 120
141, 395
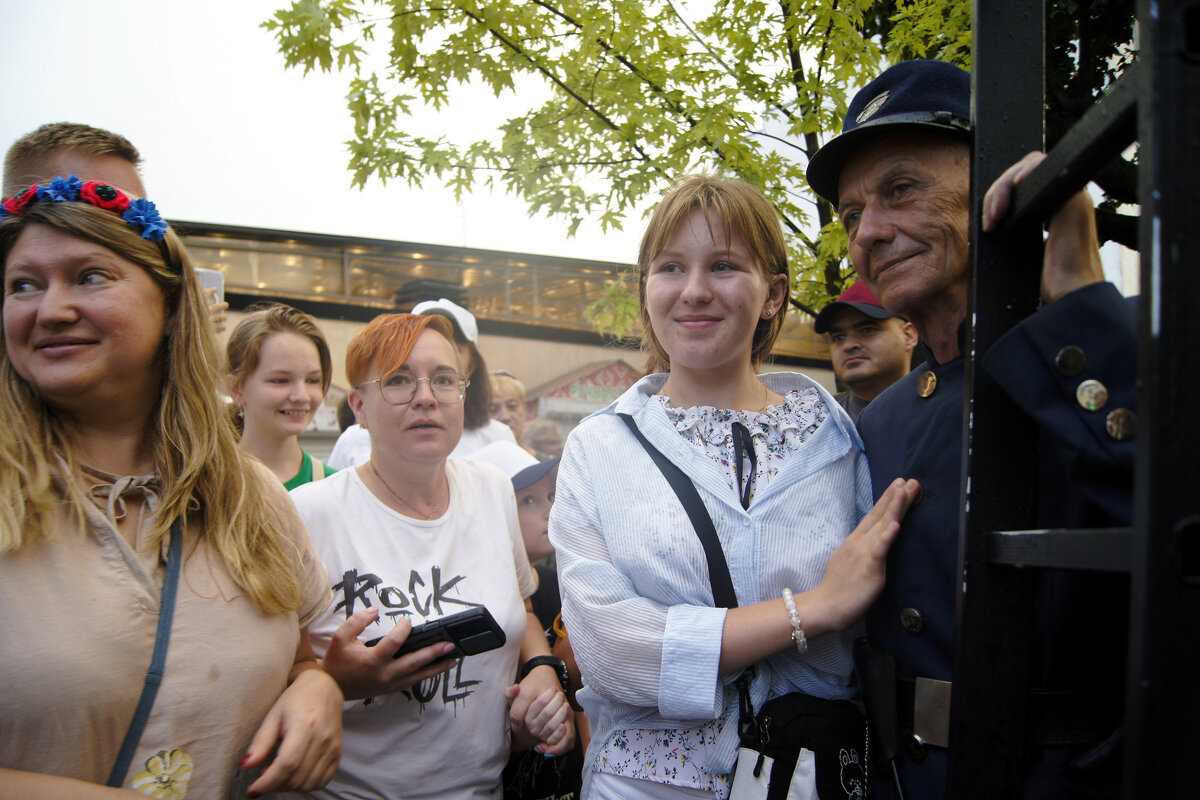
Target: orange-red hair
388, 340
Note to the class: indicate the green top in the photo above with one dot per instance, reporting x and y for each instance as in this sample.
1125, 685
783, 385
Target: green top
305, 475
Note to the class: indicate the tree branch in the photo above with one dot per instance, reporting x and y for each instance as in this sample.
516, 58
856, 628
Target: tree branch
779, 139
728, 70
655, 88
596, 112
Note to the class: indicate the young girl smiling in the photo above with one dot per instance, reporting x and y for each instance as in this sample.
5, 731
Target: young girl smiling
660, 659
280, 369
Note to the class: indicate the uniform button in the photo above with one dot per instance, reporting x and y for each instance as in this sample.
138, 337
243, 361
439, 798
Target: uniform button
1092, 395
1070, 360
914, 748
927, 383
912, 620
1121, 424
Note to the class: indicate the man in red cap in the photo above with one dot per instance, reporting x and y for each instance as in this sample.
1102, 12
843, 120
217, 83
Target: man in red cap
871, 348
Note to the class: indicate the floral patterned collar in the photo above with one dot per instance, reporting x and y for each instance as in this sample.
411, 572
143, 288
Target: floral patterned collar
778, 432
793, 420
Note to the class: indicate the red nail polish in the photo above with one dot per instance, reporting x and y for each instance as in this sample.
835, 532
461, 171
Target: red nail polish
252, 794
246, 758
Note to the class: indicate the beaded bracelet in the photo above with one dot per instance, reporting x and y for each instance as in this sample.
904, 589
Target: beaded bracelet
797, 627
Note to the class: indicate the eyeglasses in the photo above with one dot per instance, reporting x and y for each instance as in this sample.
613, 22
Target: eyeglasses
400, 388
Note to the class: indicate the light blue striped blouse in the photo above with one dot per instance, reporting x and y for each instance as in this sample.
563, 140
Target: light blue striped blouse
637, 601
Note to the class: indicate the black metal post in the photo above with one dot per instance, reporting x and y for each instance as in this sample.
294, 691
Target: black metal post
987, 721
1163, 700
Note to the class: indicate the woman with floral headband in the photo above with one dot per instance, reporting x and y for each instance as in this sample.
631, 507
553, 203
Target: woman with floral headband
155, 583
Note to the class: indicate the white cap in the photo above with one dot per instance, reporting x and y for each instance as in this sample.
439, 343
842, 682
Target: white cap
464, 321
515, 462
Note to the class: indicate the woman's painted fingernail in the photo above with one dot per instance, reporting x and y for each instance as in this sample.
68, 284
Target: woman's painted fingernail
242, 763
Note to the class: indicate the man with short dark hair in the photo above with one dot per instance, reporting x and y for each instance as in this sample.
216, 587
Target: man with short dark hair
72, 148
899, 175
870, 347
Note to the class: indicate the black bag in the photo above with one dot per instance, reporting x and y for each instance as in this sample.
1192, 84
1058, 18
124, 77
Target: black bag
803, 748
797, 747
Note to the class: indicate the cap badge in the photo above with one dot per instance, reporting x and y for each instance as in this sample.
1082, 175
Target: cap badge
872, 107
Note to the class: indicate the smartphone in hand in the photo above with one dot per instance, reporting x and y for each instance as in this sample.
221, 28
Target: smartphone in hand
472, 632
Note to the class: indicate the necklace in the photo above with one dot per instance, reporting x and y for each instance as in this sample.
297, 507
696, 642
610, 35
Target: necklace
423, 515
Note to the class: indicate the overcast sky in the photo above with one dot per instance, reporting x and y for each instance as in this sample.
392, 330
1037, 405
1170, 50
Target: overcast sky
229, 136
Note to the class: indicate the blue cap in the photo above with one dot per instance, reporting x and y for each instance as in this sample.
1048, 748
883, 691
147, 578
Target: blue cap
912, 94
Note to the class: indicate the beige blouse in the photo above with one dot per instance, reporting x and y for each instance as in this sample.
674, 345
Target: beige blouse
78, 615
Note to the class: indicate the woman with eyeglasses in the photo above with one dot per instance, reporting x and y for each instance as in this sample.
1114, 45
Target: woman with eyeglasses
479, 428
412, 536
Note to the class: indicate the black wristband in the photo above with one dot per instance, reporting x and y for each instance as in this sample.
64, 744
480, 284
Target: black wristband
548, 661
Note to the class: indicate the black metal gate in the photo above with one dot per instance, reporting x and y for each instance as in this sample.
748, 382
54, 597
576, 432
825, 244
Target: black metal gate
1157, 104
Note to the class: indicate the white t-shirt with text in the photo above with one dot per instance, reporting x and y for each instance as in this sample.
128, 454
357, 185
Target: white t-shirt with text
448, 737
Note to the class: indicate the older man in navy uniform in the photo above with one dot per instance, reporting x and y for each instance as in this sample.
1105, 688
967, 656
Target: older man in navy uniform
899, 175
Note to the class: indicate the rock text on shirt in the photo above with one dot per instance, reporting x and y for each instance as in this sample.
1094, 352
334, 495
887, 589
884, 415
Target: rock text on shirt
421, 598
394, 601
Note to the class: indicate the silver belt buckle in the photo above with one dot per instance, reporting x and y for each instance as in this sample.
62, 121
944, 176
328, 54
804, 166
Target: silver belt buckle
931, 711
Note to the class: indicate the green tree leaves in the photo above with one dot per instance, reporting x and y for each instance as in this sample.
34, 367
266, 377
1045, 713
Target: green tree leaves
614, 100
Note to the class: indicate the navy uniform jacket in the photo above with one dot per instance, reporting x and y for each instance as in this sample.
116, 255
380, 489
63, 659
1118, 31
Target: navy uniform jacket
1087, 481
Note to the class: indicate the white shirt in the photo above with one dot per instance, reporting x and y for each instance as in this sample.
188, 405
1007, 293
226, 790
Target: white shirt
493, 431
448, 737
352, 448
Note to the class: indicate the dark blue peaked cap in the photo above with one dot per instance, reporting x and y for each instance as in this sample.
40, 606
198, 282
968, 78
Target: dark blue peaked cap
912, 94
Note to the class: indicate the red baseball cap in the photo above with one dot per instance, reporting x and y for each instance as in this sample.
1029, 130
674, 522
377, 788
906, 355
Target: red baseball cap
858, 297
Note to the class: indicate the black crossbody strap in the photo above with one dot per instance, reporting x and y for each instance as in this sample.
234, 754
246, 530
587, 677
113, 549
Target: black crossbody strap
718, 567
154, 676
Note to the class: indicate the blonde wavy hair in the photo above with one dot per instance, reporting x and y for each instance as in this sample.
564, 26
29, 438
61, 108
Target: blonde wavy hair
203, 473
733, 205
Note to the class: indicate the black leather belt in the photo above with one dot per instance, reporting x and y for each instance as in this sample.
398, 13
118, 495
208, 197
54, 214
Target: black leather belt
1053, 716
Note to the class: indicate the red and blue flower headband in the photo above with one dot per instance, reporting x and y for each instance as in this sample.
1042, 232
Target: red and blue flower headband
139, 214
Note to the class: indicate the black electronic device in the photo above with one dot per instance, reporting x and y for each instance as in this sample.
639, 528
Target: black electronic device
472, 632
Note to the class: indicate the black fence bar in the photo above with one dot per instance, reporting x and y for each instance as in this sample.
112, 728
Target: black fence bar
1096, 549
1100, 136
991, 665
1163, 699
